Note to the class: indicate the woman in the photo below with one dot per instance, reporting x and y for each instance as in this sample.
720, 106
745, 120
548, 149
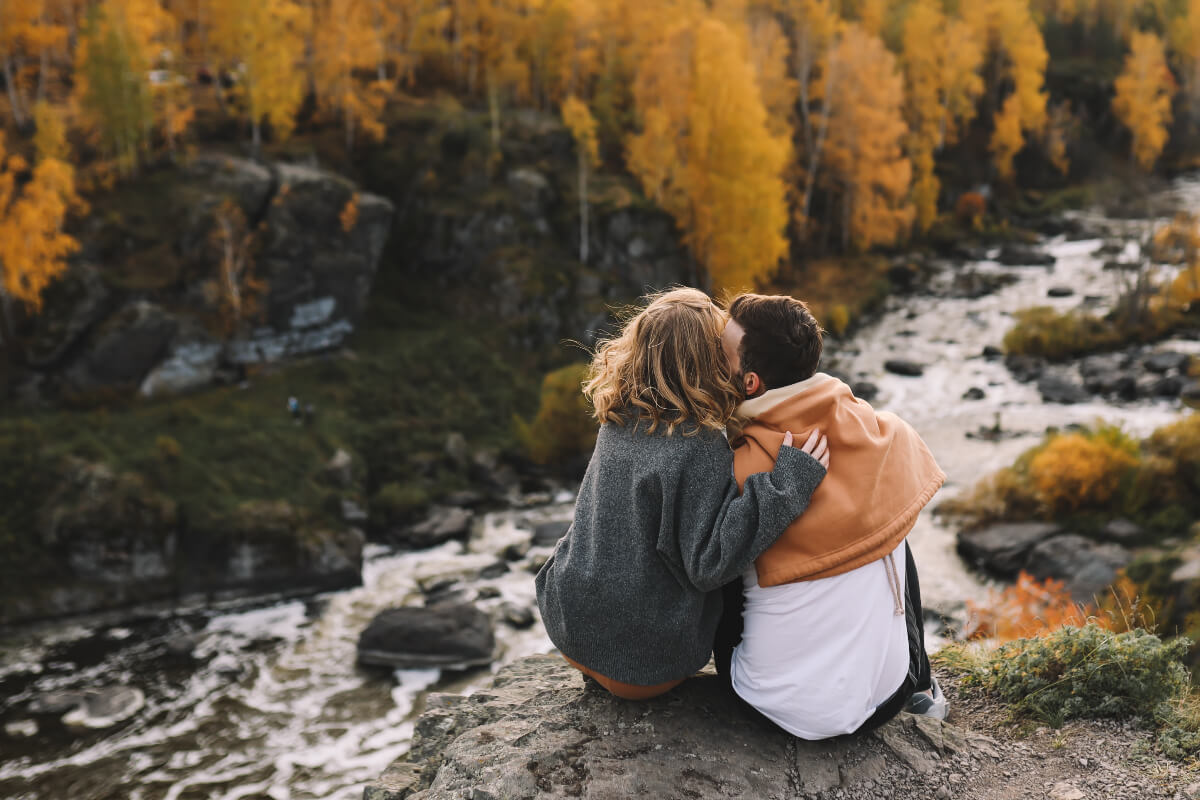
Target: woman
630, 594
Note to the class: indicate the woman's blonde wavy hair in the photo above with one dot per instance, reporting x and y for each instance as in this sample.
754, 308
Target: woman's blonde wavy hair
666, 367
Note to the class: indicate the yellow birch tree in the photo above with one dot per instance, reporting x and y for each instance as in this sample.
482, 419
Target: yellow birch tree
345, 42
706, 155
579, 120
1143, 97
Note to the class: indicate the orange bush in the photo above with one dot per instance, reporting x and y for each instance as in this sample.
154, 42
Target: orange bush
1074, 471
1031, 608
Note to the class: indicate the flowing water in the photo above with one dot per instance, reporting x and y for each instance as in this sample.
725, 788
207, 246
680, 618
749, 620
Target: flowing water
268, 702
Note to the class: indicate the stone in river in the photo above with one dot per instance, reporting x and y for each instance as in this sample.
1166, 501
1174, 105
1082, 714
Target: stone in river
1060, 291
1191, 395
900, 366
864, 390
548, 533
1061, 390
441, 525
1165, 362
1014, 255
1087, 567
91, 709
991, 352
519, 617
1025, 368
1116, 383
1170, 386
1002, 549
452, 636
974, 393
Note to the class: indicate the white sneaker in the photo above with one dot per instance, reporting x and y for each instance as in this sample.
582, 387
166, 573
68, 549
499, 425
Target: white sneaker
925, 705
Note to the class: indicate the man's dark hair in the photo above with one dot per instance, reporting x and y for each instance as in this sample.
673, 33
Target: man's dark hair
782, 341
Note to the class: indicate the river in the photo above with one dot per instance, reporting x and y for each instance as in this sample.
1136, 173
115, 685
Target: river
267, 702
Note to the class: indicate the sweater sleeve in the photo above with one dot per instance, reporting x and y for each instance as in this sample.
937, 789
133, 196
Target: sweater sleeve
721, 533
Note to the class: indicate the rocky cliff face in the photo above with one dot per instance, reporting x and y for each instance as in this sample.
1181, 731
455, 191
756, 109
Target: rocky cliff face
143, 306
538, 732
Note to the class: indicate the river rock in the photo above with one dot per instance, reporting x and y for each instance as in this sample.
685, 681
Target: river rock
1060, 291
1003, 549
1167, 361
1086, 567
1190, 395
974, 393
864, 390
1169, 386
548, 533
538, 732
1015, 255
92, 708
1025, 368
991, 352
519, 617
1058, 389
899, 366
1122, 531
441, 525
446, 636
21, 729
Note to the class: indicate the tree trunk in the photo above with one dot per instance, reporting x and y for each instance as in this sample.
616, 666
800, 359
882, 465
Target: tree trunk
14, 99
814, 158
494, 110
583, 209
255, 138
7, 337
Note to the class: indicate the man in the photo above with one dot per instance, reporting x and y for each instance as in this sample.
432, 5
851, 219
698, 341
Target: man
833, 640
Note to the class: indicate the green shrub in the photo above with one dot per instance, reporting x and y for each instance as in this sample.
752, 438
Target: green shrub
1042, 331
395, 501
1082, 672
563, 428
168, 448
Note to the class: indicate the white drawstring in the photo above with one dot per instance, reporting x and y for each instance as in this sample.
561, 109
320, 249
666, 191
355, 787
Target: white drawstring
889, 566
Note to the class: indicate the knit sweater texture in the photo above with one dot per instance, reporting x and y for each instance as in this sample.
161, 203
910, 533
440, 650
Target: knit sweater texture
631, 589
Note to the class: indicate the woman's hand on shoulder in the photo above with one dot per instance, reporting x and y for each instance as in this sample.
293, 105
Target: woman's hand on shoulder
817, 446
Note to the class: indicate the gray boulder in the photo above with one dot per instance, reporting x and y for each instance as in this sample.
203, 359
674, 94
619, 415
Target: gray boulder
1190, 395
1086, 567
441, 525
900, 366
548, 533
1002, 549
1025, 368
126, 347
73, 304
1058, 389
448, 636
1015, 255
538, 732
1163, 362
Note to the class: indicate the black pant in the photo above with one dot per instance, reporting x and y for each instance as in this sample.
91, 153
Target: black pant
918, 679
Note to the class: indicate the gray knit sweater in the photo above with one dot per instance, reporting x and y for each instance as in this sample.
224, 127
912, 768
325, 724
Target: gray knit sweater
659, 525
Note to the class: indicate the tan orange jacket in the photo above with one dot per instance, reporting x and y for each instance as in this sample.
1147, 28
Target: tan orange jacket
881, 474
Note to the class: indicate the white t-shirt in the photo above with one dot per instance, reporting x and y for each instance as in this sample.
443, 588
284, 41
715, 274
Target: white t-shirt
818, 656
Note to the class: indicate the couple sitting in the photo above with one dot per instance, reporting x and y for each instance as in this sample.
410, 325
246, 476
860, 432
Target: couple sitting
804, 546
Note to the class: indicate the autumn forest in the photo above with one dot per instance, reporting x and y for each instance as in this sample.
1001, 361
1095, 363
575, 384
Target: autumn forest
765, 128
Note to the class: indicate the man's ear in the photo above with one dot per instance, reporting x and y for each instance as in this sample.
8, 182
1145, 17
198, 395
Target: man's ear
754, 385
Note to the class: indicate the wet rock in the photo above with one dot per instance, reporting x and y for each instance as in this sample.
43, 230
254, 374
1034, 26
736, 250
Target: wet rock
1190, 394
536, 563
1163, 362
991, 352
451, 636
1003, 549
466, 498
92, 709
538, 733
1057, 389
974, 393
1112, 247
1119, 384
516, 551
441, 525
902, 277
1122, 531
1025, 368
1015, 255
519, 617
864, 390
1087, 567
1060, 291
487, 592
972, 285
548, 533
340, 469
899, 366
1170, 386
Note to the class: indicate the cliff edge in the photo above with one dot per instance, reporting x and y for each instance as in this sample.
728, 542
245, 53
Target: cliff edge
539, 732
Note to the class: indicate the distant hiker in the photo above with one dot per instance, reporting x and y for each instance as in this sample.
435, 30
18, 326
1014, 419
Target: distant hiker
293, 407
631, 595
834, 639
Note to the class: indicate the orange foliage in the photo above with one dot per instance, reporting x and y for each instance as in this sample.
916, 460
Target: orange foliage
970, 208
349, 214
1031, 608
1074, 471
1143, 98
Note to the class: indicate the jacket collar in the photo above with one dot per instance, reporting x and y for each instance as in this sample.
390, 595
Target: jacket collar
757, 406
